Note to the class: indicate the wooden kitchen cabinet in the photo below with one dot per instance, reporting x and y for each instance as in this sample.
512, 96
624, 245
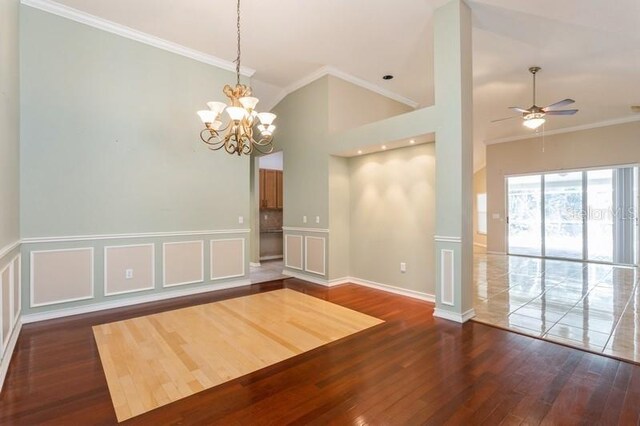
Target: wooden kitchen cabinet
279, 200
271, 189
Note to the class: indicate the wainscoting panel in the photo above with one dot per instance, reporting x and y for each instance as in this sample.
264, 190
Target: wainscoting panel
227, 258
183, 263
315, 255
65, 282
60, 276
447, 276
5, 304
138, 259
293, 252
16, 288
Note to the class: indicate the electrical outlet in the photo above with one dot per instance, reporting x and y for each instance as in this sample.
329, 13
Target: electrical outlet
128, 274
403, 267
240, 220
304, 219
317, 219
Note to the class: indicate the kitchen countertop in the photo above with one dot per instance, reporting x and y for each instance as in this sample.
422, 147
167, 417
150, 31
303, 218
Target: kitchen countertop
271, 231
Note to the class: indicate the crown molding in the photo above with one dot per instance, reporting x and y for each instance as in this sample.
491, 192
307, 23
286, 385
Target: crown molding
139, 36
606, 123
334, 72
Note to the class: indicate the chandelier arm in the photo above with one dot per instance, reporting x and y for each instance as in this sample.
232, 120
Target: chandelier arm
229, 146
212, 135
265, 141
247, 148
267, 151
216, 148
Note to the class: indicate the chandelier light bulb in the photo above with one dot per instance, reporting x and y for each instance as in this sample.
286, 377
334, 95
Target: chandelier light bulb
217, 107
266, 118
236, 113
207, 116
248, 102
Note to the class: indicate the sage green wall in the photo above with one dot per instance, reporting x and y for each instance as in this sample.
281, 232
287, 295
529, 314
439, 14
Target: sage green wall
316, 183
339, 217
393, 217
302, 135
110, 136
9, 124
352, 106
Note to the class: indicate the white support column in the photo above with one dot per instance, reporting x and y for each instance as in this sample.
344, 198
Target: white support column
454, 162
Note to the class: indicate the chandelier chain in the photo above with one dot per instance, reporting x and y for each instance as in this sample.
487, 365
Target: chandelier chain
238, 58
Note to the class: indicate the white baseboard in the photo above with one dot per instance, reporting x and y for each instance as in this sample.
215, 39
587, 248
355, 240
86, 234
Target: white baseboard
365, 283
397, 290
95, 307
305, 277
454, 316
6, 359
271, 257
254, 264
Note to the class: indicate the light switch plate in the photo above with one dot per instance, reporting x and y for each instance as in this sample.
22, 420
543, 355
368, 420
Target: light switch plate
240, 220
304, 219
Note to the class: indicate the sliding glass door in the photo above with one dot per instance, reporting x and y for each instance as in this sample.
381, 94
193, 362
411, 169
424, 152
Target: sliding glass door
525, 215
563, 215
600, 215
582, 215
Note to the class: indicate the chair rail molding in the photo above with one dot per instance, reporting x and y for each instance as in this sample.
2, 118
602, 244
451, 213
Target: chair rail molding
73, 238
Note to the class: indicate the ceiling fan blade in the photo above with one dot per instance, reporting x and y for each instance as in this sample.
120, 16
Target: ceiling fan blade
562, 112
559, 104
518, 109
503, 119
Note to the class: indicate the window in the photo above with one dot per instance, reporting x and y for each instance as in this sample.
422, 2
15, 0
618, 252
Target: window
482, 213
588, 214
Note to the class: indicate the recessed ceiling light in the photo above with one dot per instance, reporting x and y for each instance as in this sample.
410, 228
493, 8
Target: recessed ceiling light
384, 147
412, 141
359, 151
387, 77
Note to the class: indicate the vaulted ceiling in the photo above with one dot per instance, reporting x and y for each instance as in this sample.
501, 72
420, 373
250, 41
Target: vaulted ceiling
589, 49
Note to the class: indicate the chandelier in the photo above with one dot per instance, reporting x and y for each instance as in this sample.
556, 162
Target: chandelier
237, 136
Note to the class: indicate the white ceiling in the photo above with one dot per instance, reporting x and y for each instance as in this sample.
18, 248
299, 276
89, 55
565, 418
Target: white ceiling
589, 49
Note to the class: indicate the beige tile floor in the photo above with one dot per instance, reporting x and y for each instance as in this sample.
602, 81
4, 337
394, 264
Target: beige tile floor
586, 305
268, 270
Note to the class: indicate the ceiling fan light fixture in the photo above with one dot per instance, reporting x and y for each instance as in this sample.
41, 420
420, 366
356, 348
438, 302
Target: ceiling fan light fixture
533, 123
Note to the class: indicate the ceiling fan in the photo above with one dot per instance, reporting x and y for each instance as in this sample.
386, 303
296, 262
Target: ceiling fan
534, 116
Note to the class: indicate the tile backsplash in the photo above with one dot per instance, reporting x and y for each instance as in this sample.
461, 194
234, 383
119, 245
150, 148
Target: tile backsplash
270, 220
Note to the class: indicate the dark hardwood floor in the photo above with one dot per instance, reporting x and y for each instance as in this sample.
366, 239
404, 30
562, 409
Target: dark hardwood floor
413, 369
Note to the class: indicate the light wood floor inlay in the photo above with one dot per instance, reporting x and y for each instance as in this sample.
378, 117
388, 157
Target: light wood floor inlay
153, 360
